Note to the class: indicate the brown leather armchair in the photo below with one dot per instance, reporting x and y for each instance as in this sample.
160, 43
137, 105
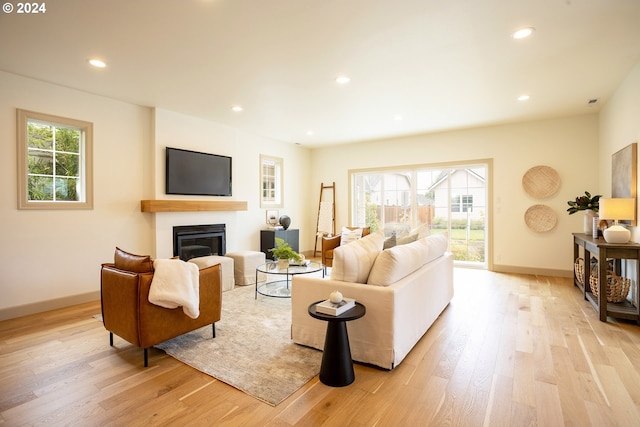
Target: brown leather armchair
127, 312
330, 243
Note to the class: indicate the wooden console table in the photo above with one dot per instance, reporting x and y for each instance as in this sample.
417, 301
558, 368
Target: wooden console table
602, 251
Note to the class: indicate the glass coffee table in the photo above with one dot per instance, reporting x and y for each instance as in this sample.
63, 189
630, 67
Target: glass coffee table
281, 288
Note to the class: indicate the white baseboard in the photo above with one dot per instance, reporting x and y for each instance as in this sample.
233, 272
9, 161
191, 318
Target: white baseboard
534, 271
39, 307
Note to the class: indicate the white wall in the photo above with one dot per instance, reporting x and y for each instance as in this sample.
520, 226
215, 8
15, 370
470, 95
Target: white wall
46, 255
619, 127
242, 227
569, 145
50, 259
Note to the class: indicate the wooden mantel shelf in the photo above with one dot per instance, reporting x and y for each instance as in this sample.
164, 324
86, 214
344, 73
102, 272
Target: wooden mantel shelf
191, 205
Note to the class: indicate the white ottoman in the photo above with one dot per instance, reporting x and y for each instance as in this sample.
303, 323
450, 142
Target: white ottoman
245, 263
226, 267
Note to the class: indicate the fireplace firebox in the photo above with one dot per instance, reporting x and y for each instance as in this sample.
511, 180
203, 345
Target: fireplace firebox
192, 241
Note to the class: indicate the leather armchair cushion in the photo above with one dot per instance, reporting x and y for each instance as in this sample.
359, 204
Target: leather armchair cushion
130, 262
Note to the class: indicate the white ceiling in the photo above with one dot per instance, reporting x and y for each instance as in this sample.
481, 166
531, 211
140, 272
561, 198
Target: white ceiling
441, 64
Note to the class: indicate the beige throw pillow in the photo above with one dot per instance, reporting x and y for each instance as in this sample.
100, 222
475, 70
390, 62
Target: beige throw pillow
422, 231
348, 236
404, 240
389, 242
352, 262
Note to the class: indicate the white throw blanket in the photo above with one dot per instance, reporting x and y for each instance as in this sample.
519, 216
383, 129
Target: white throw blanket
176, 283
325, 218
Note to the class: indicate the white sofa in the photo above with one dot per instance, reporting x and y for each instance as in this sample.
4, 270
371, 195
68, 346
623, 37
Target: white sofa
404, 289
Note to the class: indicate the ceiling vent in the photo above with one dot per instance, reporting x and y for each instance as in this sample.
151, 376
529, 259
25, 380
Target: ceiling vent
592, 102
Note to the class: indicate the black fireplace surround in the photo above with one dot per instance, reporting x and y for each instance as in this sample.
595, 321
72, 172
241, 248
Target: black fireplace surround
192, 241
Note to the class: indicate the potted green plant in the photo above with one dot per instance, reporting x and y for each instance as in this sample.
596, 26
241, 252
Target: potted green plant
283, 252
589, 205
583, 203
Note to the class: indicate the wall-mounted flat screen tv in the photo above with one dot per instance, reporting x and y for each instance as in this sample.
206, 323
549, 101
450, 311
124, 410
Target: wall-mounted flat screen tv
195, 173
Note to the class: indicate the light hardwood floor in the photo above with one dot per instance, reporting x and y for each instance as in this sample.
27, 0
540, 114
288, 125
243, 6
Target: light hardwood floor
510, 350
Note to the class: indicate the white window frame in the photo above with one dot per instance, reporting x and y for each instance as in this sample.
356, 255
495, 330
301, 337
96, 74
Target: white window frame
462, 203
271, 182
85, 167
357, 212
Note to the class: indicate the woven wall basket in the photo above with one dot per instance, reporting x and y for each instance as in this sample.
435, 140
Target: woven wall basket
540, 218
541, 182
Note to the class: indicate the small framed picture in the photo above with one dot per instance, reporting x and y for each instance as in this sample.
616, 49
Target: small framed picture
272, 217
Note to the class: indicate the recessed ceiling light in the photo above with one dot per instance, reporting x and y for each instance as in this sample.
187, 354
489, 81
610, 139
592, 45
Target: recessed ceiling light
523, 98
237, 108
342, 80
97, 63
523, 33
398, 117
310, 133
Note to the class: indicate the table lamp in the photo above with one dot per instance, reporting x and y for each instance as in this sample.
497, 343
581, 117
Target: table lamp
617, 209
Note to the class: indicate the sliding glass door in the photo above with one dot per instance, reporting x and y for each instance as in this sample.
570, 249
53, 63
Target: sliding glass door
451, 199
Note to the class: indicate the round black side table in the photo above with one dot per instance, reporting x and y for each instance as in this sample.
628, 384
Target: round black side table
337, 367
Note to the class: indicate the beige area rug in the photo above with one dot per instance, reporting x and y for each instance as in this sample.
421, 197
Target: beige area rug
252, 351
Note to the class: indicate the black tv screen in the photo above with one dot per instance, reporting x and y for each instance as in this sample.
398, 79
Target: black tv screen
194, 173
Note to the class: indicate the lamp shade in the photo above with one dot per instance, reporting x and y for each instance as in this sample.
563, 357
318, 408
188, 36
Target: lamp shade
618, 209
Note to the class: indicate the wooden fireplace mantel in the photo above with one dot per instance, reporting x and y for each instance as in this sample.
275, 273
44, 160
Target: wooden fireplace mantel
192, 205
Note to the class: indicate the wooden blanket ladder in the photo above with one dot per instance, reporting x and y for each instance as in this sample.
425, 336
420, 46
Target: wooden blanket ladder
326, 224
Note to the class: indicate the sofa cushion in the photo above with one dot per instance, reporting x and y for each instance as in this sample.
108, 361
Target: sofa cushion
352, 262
437, 245
348, 235
126, 261
395, 263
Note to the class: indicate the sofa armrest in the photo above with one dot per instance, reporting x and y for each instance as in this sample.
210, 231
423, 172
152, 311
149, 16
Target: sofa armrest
211, 292
119, 302
329, 244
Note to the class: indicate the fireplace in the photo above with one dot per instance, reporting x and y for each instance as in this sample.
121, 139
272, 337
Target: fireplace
191, 241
